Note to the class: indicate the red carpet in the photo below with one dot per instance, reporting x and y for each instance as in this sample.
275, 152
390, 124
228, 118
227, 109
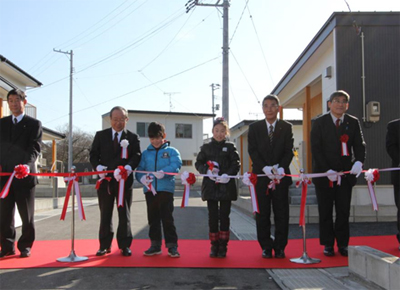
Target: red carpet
194, 254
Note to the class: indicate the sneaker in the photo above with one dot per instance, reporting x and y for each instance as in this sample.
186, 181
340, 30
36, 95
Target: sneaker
173, 252
153, 250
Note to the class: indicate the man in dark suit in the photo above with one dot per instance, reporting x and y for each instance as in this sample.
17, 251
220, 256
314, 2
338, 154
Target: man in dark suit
270, 144
108, 153
19, 145
393, 149
337, 145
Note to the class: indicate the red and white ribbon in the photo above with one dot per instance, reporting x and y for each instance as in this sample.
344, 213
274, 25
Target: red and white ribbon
6, 189
121, 174
124, 152
20, 171
272, 185
372, 176
99, 181
304, 187
250, 179
343, 139
72, 181
187, 180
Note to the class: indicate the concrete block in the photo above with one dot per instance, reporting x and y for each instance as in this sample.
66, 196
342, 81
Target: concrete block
387, 210
378, 267
312, 210
387, 218
394, 275
357, 261
365, 214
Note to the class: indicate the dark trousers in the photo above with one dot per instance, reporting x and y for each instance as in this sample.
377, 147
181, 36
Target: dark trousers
218, 215
279, 200
108, 195
340, 198
159, 211
24, 198
397, 201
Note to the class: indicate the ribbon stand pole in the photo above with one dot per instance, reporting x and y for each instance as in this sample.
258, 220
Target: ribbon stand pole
304, 259
72, 256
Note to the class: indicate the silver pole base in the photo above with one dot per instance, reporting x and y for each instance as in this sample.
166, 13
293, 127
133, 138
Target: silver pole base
305, 259
72, 258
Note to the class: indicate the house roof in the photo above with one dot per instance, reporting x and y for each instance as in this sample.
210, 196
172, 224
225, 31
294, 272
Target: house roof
336, 19
49, 134
32, 82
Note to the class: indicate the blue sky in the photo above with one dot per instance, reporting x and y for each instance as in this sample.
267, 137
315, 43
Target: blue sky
151, 55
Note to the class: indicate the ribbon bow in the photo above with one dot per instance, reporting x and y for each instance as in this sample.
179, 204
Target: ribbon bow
188, 179
73, 181
372, 176
250, 179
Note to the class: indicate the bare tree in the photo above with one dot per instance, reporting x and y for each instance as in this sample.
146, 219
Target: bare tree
81, 143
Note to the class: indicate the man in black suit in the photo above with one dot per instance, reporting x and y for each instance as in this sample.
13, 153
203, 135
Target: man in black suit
270, 144
107, 153
337, 145
393, 149
20, 141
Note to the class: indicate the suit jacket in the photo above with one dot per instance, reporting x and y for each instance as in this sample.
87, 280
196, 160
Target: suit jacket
262, 153
102, 152
20, 144
326, 147
393, 148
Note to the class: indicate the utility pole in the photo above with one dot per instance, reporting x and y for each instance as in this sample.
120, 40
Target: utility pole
225, 50
170, 101
71, 53
213, 88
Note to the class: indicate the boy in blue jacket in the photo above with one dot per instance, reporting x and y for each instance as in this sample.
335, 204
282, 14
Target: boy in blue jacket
160, 158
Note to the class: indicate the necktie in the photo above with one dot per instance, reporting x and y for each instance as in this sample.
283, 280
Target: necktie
337, 124
15, 121
116, 142
271, 133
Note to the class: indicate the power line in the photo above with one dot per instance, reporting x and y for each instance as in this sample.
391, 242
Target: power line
259, 43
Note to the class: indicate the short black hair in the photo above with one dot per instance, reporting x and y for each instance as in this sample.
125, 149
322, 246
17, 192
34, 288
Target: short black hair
339, 93
155, 130
273, 98
17, 92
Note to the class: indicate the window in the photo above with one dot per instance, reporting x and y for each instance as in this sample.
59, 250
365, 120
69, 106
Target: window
141, 129
183, 131
187, 162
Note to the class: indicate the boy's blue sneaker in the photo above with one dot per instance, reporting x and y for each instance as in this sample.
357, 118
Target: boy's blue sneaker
173, 252
153, 250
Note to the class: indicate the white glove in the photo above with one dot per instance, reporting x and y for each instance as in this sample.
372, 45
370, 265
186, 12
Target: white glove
117, 174
356, 169
159, 174
128, 169
332, 178
280, 173
267, 170
223, 178
146, 180
101, 168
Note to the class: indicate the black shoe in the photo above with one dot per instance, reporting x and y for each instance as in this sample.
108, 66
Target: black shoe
344, 251
6, 253
173, 252
267, 253
102, 252
153, 250
329, 251
280, 254
25, 253
214, 251
126, 252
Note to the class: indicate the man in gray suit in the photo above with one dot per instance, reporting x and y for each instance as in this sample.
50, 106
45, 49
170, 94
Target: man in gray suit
337, 144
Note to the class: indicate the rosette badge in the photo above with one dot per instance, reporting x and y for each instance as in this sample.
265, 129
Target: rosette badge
124, 144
